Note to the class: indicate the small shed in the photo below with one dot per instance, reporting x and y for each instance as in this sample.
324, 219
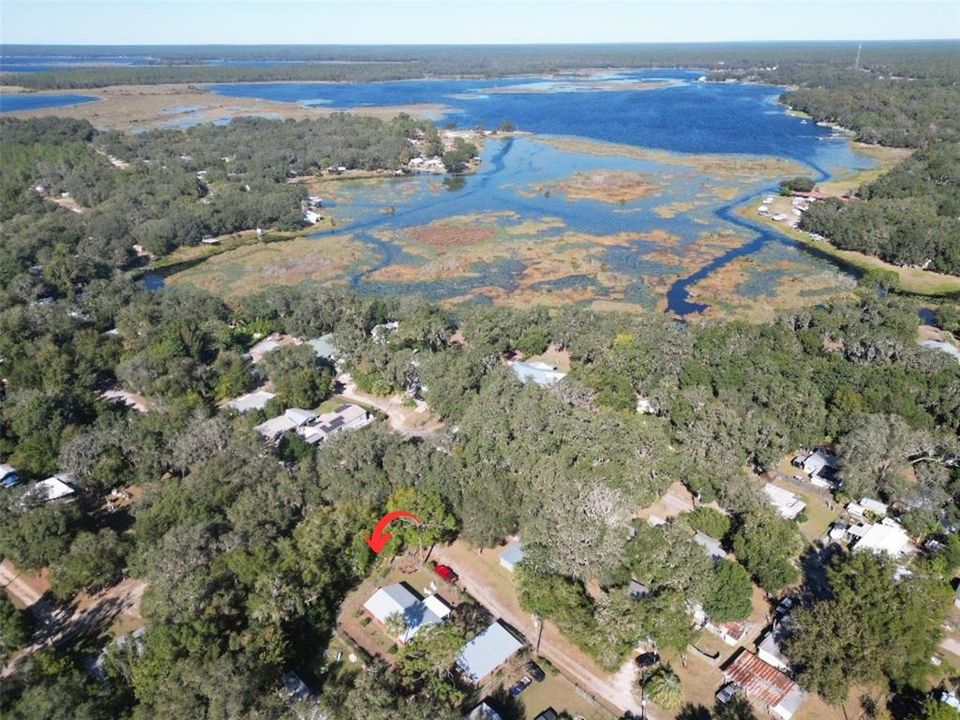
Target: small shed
511, 555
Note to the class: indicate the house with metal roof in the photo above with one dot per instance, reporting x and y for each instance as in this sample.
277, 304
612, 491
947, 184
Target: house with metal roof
787, 504
274, 428
487, 651
345, 417
885, 537
53, 488
769, 646
324, 347
539, 372
257, 400
713, 547
400, 599
765, 685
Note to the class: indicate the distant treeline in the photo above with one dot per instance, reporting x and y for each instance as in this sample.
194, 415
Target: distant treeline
159, 201
397, 62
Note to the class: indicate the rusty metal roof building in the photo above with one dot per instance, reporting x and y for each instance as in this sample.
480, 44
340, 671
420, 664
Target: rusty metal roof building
765, 684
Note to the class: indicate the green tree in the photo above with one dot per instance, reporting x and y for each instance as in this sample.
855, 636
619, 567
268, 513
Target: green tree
436, 522
15, 628
298, 378
933, 709
93, 562
710, 521
873, 628
729, 593
766, 546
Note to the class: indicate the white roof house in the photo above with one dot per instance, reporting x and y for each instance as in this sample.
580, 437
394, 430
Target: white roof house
712, 546
885, 537
786, 503
539, 372
345, 417
768, 648
487, 651
53, 488
818, 460
417, 612
300, 416
274, 428
875, 506
269, 344
256, 400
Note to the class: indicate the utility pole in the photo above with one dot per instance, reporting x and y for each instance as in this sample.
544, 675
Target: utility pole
538, 625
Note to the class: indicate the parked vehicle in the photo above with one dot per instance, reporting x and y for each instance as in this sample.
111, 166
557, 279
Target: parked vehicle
520, 685
647, 659
446, 572
536, 671
728, 692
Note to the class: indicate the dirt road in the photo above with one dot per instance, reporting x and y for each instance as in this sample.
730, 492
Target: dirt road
615, 691
119, 604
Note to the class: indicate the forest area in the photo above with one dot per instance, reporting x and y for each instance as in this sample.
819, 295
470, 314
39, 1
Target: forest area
248, 548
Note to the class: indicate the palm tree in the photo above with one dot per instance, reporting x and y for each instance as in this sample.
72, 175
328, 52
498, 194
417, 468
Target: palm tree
396, 624
663, 687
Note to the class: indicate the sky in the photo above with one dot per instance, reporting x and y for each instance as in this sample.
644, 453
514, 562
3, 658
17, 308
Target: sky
323, 22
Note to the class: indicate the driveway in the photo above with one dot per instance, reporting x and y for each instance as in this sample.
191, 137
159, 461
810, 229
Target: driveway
117, 603
410, 422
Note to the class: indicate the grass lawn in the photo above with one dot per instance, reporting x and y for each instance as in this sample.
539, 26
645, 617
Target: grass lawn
560, 694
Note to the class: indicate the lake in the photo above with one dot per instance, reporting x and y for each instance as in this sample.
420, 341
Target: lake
32, 101
520, 229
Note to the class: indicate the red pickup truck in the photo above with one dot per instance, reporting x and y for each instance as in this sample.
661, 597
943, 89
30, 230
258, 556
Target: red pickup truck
446, 572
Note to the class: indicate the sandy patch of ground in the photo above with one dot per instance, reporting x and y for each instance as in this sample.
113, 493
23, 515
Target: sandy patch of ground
416, 421
117, 607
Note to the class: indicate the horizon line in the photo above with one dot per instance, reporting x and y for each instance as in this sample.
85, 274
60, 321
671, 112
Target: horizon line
489, 44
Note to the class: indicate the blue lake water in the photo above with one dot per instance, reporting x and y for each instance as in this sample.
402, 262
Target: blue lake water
683, 115
31, 101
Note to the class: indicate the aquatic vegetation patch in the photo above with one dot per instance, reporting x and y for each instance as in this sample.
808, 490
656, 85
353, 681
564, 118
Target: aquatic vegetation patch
250, 268
745, 168
609, 186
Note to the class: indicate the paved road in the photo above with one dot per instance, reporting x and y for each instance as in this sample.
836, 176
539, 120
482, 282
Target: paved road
615, 691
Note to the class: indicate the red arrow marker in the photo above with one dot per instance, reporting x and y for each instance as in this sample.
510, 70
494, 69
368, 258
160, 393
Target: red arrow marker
380, 536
